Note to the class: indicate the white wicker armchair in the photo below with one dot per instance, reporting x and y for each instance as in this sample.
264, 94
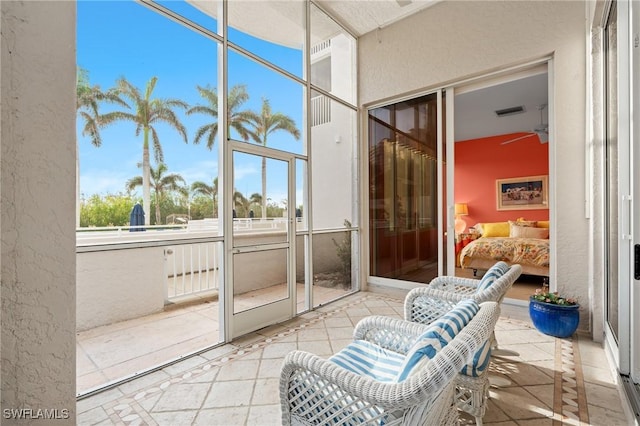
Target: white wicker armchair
316, 391
426, 304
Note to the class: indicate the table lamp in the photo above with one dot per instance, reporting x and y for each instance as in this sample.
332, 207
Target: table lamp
461, 209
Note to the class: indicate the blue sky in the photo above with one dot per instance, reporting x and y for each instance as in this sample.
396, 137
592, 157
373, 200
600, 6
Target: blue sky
124, 38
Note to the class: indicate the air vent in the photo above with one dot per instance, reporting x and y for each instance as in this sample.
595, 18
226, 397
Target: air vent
510, 111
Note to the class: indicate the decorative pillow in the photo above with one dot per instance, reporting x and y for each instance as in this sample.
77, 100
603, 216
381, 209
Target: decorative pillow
521, 222
495, 229
527, 232
367, 359
439, 333
495, 272
480, 361
543, 224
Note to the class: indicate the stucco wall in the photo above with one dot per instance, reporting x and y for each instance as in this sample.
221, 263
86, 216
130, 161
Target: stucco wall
454, 40
117, 285
37, 204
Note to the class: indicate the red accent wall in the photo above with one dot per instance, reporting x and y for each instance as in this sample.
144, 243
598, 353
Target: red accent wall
479, 162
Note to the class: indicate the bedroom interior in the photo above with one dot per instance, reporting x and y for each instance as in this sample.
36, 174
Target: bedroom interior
501, 178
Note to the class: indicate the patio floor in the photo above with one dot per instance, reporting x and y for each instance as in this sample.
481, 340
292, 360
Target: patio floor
547, 381
115, 351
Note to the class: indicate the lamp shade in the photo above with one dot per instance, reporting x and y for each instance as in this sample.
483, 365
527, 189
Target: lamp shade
461, 209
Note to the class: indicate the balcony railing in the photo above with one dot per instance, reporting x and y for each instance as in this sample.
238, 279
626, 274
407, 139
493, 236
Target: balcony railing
320, 110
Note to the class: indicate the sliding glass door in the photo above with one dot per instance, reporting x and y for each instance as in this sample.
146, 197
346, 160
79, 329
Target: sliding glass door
405, 220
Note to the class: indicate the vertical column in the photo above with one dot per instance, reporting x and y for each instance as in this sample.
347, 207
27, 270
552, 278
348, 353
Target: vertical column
38, 154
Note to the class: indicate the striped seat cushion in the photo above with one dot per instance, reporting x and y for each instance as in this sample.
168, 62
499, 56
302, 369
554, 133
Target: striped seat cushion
480, 361
367, 359
437, 336
495, 272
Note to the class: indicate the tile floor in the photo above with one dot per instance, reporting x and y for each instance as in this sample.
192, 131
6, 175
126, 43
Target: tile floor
547, 381
109, 353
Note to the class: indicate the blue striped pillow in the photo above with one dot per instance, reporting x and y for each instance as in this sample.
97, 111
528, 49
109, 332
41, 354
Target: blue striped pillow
439, 333
495, 272
480, 361
367, 359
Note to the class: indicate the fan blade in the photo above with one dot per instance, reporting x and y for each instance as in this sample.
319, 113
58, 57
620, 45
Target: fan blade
518, 138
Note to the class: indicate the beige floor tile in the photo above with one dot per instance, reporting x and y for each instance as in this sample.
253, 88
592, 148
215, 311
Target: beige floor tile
229, 394
311, 334
278, 350
320, 348
93, 416
527, 375
241, 369
600, 376
602, 416
270, 368
266, 391
265, 415
234, 416
519, 404
182, 396
177, 418
340, 333
603, 396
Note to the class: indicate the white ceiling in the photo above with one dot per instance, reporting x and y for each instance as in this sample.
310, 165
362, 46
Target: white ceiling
363, 16
475, 115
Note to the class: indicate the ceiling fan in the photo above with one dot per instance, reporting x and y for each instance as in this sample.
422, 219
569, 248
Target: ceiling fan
542, 130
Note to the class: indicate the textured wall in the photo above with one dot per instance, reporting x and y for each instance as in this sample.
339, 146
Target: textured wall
455, 40
118, 285
37, 210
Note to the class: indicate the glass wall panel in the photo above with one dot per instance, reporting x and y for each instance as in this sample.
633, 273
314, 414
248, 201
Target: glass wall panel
302, 219
334, 177
111, 55
262, 283
302, 262
273, 102
332, 265
403, 195
273, 30
200, 12
333, 57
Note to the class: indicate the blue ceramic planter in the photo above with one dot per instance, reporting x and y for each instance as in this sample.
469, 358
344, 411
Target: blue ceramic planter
554, 320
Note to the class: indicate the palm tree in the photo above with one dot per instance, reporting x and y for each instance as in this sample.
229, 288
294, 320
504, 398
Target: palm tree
148, 112
236, 118
88, 100
255, 198
262, 125
202, 188
161, 184
240, 200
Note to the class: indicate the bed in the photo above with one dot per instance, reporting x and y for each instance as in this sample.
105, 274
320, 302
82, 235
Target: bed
532, 254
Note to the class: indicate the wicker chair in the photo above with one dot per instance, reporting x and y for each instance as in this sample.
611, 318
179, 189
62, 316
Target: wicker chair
316, 391
426, 304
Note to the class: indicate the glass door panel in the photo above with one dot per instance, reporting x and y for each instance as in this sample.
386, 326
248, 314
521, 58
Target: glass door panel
403, 197
261, 273
611, 164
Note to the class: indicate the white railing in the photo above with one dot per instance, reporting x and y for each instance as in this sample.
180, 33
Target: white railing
192, 269
320, 110
317, 48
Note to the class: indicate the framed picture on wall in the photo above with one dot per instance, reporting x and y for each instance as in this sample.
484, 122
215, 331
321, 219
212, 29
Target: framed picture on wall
523, 193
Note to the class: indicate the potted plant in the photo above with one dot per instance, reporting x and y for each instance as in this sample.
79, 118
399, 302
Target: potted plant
553, 314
